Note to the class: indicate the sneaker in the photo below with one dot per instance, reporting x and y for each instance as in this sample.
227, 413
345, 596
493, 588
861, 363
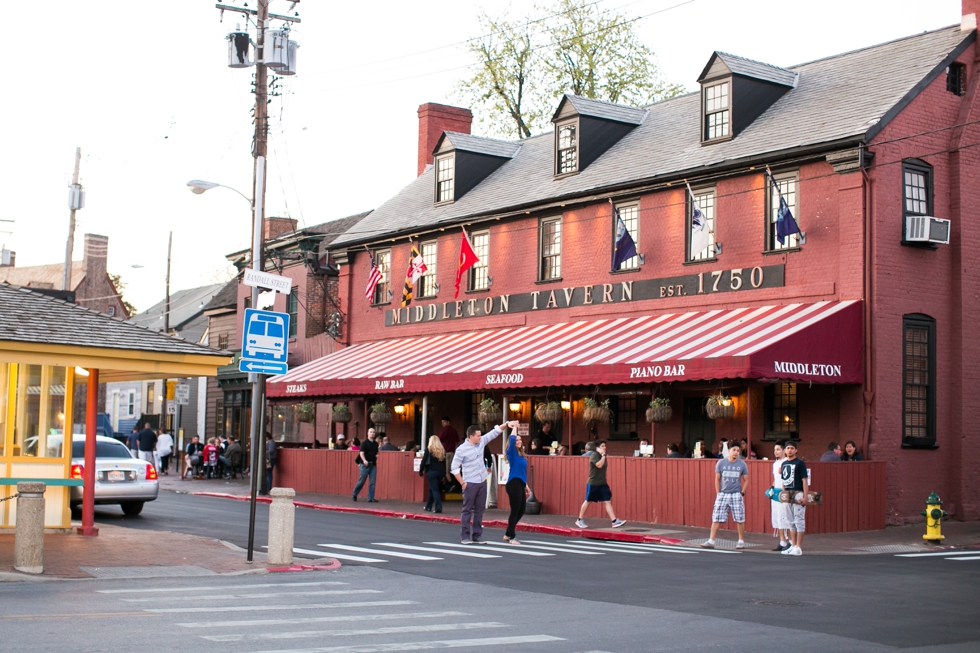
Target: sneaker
427, 509
708, 544
466, 541
740, 544
514, 541
788, 550
781, 547
476, 541
581, 524
796, 551
354, 498
619, 522
372, 500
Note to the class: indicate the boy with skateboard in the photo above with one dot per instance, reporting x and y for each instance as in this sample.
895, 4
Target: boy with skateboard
794, 477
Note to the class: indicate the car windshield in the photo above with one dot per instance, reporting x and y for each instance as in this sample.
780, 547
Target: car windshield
103, 449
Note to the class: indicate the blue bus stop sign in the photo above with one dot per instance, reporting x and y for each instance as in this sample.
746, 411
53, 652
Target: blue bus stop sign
265, 342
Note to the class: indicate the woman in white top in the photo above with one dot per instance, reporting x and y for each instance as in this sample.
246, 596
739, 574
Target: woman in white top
779, 517
165, 447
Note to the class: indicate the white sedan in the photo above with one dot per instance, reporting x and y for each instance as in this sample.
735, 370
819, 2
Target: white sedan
120, 478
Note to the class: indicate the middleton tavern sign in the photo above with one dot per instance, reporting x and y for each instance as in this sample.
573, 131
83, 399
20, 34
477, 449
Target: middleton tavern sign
703, 283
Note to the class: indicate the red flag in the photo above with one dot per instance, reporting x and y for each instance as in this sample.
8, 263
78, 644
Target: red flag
467, 259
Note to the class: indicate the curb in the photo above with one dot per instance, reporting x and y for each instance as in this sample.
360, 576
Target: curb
333, 566
547, 529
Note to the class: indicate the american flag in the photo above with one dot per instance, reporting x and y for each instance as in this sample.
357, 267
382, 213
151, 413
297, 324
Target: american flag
374, 278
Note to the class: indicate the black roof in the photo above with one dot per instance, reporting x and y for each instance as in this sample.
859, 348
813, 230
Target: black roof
838, 101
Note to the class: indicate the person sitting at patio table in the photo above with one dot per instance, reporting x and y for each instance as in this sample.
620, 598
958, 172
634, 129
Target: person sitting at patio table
850, 452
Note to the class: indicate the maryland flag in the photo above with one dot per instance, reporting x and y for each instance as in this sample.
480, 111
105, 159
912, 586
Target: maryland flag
416, 268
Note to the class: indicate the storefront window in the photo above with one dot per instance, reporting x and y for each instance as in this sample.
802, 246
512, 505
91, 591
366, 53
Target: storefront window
782, 420
39, 424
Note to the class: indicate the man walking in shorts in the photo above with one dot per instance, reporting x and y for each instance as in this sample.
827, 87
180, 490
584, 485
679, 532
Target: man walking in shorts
597, 491
795, 480
471, 472
731, 477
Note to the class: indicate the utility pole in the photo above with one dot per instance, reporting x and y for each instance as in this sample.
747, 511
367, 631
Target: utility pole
166, 314
257, 435
75, 202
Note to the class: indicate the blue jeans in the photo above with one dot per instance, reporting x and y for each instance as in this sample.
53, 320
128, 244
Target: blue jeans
366, 471
435, 493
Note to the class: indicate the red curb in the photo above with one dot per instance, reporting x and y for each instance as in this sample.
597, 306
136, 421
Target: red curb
547, 529
331, 567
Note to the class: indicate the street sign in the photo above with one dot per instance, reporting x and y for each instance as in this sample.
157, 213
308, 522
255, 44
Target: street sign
265, 342
258, 279
182, 394
171, 407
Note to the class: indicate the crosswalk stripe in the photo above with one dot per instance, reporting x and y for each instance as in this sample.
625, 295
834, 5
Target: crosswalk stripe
388, 630
549, 548
630, 547
266, 595
361, 549
598, 548
266, 608
514, 550
935, 554
468, 554
207, 589
315, 620
339, 556
426, 646
961, 558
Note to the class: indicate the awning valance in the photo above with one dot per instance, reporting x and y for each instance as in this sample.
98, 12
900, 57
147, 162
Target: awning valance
818, 343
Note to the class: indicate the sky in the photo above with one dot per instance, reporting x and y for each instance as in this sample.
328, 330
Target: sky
144, 89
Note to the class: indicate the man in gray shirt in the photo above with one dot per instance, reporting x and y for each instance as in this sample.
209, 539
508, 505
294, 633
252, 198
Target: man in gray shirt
469, 470
731, 477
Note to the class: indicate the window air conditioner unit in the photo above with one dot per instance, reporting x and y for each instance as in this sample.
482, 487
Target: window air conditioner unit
926, 229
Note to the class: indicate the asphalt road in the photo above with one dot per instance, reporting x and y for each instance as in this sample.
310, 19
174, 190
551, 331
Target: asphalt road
633, 598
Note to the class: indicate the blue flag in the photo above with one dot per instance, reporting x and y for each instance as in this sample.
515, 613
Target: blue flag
785, 222
625, 248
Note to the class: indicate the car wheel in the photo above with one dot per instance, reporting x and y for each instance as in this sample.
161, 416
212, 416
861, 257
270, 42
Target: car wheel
132, 508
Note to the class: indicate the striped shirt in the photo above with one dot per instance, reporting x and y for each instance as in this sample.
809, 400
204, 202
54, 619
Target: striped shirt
469, 458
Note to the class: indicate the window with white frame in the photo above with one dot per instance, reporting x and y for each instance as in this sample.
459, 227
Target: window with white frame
427, 282
383, 260
705, 200
566, 137
479, 274
630, 213
717, 113
445, 178
786, 185
127, 404
550, 250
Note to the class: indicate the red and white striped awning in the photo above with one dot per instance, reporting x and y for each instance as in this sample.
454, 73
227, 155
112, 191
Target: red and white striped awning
818, 343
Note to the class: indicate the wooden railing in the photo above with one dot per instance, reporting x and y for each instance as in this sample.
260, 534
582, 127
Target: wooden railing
655, 490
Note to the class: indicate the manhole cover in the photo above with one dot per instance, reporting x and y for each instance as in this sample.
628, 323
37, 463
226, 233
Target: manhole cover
788, 603
156, 571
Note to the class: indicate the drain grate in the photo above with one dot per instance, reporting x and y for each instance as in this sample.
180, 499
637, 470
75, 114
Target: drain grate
788, 603
889, 548
155, 571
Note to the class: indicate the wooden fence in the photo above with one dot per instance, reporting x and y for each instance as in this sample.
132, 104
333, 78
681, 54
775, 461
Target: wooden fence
656, 490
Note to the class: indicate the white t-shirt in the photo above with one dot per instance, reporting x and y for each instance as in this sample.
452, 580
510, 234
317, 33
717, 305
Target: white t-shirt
777, 475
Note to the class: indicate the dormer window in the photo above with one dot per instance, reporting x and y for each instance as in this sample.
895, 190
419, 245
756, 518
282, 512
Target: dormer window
717, 111
445, 178
567, 153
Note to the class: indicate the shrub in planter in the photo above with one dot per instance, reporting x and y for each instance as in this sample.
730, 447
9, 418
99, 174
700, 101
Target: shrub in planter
549, 412
305, 412
659, 411
720, 407
596, 411
341, 414
380, 413
489, 412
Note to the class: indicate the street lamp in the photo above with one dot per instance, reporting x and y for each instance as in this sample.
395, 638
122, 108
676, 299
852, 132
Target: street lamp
257, 427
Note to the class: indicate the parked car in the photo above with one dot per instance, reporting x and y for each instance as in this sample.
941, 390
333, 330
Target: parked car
120, 478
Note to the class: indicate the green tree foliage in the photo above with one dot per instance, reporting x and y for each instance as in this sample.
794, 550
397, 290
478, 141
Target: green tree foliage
118, 284
524, 66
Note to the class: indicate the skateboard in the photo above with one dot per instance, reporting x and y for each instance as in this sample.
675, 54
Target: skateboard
812, 498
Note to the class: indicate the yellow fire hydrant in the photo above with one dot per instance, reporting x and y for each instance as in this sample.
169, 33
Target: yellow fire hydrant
934, 515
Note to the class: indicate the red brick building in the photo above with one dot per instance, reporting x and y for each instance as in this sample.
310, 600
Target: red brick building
855, 330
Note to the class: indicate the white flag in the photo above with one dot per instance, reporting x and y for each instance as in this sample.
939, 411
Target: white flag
699, 228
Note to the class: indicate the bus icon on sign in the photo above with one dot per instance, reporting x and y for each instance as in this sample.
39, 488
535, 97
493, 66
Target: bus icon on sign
265, 335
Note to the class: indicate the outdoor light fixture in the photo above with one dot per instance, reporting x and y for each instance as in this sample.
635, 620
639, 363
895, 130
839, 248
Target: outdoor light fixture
515, 407
726, 401
81, 371
565, 405
198, 186
400, 409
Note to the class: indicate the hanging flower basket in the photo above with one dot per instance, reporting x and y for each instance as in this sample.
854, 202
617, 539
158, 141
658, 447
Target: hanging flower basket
341, 414
380, 413
549, 412
305, 412
720, 407
490, 412
659, 414
596, 411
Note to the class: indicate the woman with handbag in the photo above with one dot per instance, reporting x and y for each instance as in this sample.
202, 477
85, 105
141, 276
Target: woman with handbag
517, 490
433, 467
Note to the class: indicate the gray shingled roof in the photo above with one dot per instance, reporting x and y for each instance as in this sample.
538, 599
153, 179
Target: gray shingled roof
753, 69
31, 317
606, 110
480, 145
227, 297
836, 100
185, 305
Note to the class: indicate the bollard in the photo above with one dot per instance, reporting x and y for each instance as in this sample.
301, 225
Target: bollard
282, 516
29, 533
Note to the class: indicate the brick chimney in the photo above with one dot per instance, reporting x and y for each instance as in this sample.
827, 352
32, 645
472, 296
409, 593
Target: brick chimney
971, 14
275, 227
96, 251
437, 118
